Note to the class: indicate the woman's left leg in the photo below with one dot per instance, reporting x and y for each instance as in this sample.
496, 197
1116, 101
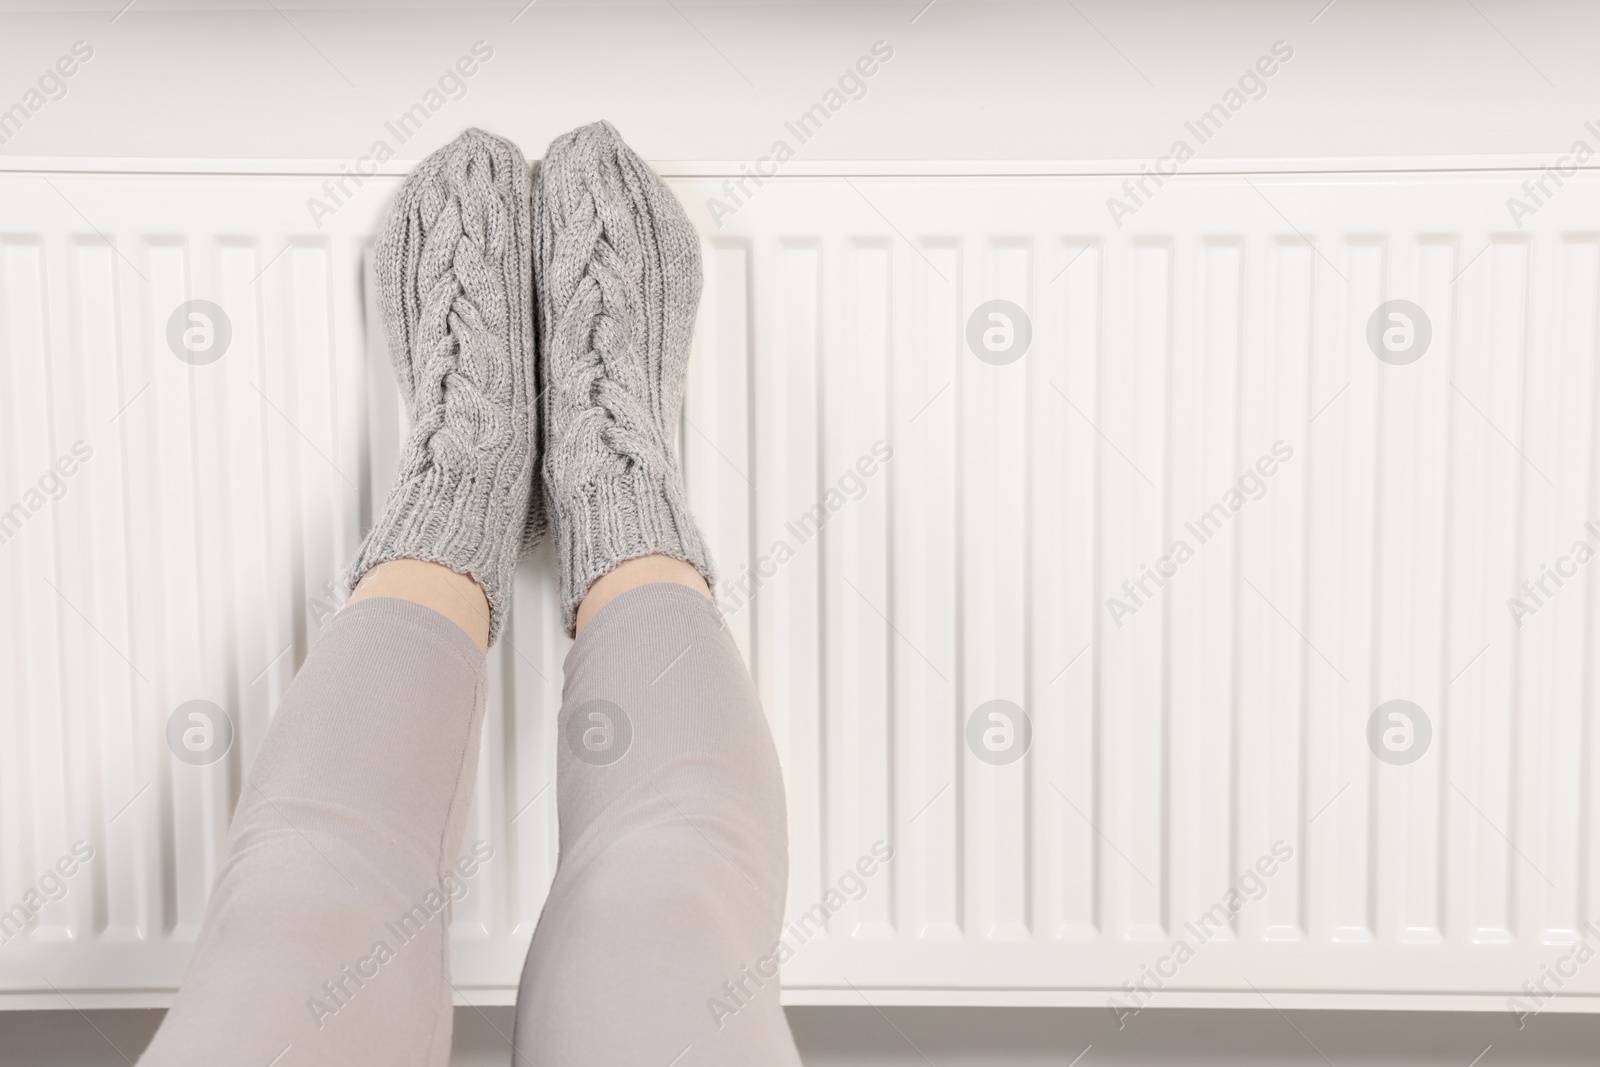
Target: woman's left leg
325, 936
324, 942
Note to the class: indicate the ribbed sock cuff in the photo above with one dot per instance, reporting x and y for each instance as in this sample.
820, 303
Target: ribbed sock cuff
455, 522
618, 518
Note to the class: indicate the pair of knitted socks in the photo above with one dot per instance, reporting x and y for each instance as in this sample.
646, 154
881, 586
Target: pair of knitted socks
573, 300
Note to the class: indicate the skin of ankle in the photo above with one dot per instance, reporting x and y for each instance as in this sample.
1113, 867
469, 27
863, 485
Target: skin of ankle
455, 596
633, 573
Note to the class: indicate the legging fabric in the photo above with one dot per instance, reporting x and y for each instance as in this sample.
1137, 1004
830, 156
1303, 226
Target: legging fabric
669, 893
325, 940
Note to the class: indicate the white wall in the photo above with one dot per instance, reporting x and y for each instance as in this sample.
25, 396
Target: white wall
971, 79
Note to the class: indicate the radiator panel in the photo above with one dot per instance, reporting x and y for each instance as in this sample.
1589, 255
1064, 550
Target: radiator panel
1174, 738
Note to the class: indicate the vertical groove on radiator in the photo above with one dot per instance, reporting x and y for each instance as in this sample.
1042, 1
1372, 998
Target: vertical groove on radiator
95, 539
1374, 821
13, 830
31, 442
142, 816
784, 381
77, 755
1385, 821
1537, 436
1428, 551
825, 297
1027, 256
1143, 797
1460, 640
965, 845
1065, 610
863, 646
1505, 410
923, 558
1173, 308
1469, 683
1094, 691
152, 580
1449, 323
1202, 454
213, 621
1232, 446
1111, 568
889, 917
1299, 926
1284, 918
1583, 348
994, 600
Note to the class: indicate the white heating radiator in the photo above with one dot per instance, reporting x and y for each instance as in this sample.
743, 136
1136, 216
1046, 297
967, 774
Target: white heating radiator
1175, 736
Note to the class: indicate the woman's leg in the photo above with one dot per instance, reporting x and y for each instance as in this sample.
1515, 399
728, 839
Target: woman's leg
324, 941
658, 944
659, 941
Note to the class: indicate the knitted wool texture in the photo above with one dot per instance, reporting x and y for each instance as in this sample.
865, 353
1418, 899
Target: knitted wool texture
454, 263
618, 283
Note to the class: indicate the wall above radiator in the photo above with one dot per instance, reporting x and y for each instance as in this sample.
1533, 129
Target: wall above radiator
969, 79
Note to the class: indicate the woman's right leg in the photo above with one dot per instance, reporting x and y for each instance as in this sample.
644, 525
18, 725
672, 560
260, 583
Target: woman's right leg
659, 943
659, 940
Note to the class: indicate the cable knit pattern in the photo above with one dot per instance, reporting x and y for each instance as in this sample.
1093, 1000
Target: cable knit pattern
618, 285
455, 283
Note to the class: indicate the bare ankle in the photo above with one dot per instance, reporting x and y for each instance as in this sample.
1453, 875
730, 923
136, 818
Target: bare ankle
455, 596
630, 574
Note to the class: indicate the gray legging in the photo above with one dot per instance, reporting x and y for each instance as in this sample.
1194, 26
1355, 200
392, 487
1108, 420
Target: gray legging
325, 939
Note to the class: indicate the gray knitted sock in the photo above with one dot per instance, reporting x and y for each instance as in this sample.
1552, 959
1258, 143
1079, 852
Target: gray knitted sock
455, 281
618, 283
